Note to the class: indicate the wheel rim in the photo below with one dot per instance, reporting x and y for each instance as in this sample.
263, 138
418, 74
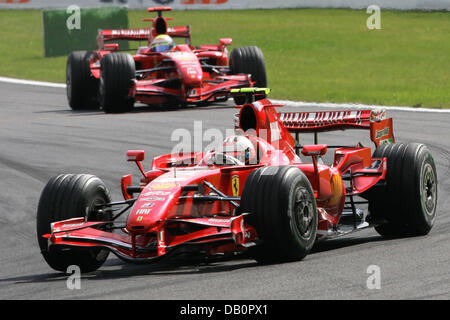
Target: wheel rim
92, 211
93, 214
303, 213
428, 186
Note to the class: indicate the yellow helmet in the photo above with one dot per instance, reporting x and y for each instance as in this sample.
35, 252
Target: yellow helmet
162, 43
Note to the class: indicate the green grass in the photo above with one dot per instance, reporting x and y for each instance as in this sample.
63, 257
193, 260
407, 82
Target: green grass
311, 54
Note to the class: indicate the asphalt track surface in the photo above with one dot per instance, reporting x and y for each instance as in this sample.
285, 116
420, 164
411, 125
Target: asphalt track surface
41, 137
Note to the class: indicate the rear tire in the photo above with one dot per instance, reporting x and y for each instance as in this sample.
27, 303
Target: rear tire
117, 73
407, 202
81, 86
283, 211
249, 60
69, 196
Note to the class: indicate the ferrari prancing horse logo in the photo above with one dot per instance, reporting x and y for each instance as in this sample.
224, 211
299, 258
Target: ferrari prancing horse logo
235, 185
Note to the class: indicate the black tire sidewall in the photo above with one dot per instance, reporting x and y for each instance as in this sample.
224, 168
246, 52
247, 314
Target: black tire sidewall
117, 72
64, 197
421, 221
249, 60
268, 196
300, 182
81, 86
399, 202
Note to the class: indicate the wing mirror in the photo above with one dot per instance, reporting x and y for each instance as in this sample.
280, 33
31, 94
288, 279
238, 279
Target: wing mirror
314, 150
225, 41
135, 155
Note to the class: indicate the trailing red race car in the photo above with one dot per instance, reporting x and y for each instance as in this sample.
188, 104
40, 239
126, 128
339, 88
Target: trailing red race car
160, 73
252, 193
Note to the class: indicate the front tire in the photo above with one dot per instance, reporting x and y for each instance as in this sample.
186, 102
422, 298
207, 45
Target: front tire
81, 86
283, 211
118, 70
406, 204
69, 196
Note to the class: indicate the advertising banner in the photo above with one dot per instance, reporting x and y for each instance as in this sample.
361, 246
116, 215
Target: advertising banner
75, 28
232, 4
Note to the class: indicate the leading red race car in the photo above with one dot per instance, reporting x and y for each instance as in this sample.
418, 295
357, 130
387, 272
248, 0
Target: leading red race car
252, 193
160, 73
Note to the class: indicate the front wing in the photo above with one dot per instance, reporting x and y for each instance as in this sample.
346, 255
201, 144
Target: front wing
154, 91
217, 233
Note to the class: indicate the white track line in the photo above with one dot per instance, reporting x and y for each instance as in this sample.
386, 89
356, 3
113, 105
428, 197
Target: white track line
287, 103
32, 83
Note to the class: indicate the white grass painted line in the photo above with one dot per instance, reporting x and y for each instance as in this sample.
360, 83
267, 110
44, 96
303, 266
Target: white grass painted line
287, 103
33, 83
302, 104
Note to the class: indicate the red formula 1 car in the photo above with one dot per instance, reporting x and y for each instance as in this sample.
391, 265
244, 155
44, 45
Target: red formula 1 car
160, 73
252, 193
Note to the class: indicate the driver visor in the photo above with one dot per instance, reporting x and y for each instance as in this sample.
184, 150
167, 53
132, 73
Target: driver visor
161, 47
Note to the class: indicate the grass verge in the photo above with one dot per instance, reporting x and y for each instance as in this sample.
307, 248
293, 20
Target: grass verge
322, 55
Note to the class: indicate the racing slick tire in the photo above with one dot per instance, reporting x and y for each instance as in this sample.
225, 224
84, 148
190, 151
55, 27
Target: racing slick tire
117, 73
249, 60
282, 208
69, 196
406, 204
81, 86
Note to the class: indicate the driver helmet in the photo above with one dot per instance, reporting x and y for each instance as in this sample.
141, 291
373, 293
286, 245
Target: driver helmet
240, 148
162, 43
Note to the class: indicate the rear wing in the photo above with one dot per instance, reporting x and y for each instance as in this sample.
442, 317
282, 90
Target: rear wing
278, 127
159, 26
124, 34
139, 34
381, 128
325, 120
